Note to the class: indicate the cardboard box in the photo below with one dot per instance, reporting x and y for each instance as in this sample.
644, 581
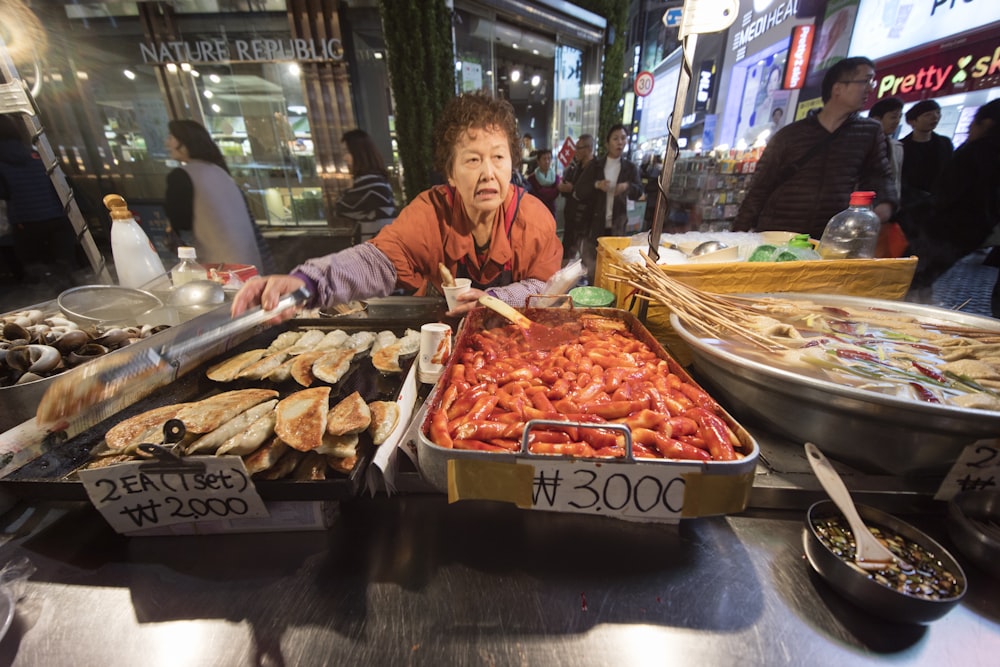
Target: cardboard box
874, 278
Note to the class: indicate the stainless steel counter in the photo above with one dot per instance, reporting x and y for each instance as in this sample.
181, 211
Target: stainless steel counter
413, 580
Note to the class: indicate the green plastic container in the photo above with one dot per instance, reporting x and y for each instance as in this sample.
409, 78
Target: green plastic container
592, 297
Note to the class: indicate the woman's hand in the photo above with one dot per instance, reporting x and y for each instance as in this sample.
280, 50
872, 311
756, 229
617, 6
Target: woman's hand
467, 301
266, 291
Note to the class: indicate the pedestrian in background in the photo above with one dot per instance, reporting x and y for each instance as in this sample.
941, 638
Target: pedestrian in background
369, 201
925, 154
572, 227
203, 199
39, 231
810, 167
544, 180
892, 240
964, 209
602, 191
651, 184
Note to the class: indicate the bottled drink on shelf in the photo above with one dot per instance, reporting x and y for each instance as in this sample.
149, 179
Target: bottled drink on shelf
852, 233
187, 269
136, 261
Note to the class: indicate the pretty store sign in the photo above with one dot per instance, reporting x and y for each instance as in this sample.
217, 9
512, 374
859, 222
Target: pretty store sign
958, 70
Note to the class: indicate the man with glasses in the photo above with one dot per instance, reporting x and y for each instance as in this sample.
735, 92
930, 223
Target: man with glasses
810, 167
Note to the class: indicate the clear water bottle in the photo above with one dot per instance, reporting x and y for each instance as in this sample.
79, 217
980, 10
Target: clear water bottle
187, 269
852, 233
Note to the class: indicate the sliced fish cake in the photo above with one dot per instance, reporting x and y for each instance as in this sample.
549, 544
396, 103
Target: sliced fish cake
351, 415
265, 457
302, 418
228, 370
210, 413
332, 365
211, 441
251, 439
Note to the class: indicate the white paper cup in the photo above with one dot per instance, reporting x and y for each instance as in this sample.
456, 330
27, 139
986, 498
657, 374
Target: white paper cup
435, 348
461, 285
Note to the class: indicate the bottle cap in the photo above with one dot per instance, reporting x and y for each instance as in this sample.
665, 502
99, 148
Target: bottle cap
117, 206
862, 198
186, 252
800, 241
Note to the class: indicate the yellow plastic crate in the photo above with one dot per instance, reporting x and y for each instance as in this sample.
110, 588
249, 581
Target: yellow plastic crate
875, 278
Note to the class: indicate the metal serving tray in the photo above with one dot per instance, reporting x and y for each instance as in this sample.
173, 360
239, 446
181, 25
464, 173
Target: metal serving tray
874, 432
51, 475
433, 460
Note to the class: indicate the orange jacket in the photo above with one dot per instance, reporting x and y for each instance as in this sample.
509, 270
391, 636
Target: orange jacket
434, 229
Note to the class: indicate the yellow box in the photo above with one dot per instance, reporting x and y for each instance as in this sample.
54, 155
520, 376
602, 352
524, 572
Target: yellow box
875, 278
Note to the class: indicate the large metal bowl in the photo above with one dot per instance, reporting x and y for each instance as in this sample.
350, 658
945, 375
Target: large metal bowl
872, 431
860, 588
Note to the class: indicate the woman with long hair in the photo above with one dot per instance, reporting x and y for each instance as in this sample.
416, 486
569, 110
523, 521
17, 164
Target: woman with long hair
369, 201
203, 199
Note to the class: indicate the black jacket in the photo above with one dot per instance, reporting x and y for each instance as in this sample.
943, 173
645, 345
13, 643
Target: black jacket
593, 202
804, 200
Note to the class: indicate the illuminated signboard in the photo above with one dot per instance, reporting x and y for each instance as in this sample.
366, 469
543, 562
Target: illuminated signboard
706, 79
884, 28
936, 73
798, 56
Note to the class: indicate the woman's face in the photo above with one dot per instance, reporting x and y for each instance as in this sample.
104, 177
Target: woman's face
480, 171
616, 143
348, 158
177, 150
544, 161
773, 81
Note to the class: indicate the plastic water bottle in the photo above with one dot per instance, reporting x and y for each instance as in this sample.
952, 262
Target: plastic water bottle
187, 269
136, 261
852, 233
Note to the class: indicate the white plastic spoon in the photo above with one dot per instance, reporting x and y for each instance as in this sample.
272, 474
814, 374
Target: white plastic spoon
870, 554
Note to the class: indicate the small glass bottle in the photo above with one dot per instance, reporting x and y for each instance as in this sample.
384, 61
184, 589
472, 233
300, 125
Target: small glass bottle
852, 233
187, 269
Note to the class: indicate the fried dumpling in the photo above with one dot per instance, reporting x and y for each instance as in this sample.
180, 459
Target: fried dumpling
302, 367
251, 438
133, 431
385, 414
333, 365
351, 415
210, 413
228, 370
309, 340
302, 418
339, 445
211, 441
266, 456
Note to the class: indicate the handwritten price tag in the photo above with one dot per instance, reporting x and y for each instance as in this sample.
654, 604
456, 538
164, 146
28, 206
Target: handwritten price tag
977, 469
132, 495
649, 493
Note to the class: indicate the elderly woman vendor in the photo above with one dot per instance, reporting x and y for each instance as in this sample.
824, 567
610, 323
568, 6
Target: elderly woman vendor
479, 225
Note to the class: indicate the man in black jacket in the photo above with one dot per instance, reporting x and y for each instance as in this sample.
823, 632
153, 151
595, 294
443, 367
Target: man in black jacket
809, 168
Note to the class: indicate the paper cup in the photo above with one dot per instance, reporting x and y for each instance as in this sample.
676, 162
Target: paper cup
435, 348
461, 285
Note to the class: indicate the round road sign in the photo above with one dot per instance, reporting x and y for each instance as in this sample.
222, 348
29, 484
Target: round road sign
643, 84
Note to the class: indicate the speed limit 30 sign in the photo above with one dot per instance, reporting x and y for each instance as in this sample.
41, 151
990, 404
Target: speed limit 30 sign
643, 84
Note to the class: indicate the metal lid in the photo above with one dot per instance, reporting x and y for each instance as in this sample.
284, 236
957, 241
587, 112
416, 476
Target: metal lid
98, 304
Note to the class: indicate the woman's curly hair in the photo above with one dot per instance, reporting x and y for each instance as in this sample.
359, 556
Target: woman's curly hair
473, 111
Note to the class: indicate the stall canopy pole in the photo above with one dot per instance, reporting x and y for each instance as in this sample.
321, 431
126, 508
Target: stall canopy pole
699, 17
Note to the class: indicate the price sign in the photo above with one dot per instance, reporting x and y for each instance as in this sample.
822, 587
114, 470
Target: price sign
138, 495
643, 83
977, 469
646, 493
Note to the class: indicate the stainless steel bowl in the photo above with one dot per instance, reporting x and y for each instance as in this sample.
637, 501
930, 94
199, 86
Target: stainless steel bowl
974, 527
868, 430
859, 588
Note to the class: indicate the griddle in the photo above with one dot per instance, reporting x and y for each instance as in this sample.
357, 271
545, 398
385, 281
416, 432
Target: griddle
51, 476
